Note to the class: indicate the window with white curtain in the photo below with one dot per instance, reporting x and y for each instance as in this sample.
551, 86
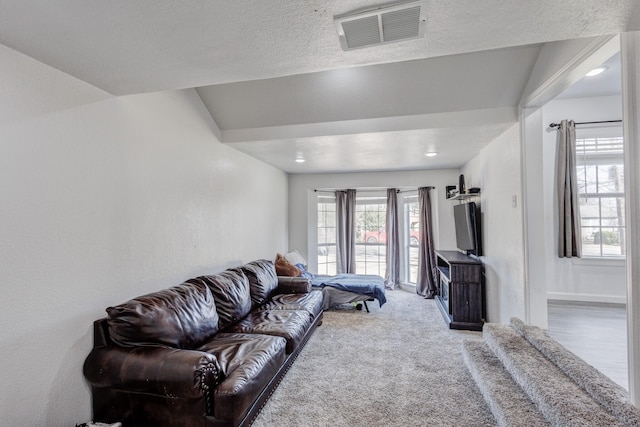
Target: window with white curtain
600, 169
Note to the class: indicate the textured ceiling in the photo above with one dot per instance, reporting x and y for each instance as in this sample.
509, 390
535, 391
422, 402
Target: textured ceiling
127, 47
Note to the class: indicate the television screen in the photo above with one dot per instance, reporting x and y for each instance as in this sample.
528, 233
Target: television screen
466, 224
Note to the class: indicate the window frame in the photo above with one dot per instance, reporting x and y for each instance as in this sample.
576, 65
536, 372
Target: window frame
325, 266
585, 160
408, 198
371, 249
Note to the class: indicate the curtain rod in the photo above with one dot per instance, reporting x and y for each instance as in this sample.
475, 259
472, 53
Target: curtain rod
372, 191
555, 125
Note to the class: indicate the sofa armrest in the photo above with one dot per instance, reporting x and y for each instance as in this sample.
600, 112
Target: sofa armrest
293, 285
158, 370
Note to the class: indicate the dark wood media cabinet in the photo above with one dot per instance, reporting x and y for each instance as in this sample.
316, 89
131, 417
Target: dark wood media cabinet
460, 290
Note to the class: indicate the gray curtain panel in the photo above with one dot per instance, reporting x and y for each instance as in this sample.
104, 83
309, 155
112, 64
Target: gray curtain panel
567, 188
392, 275
426, 285
345, 231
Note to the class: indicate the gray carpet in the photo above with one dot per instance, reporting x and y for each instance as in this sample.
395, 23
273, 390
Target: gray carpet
560, 400
396, 366
528, 379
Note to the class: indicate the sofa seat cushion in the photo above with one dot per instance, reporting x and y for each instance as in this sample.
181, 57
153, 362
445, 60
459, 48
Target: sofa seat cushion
248, 362
230, 290
289, 324
183, 316
262, 280
311, 302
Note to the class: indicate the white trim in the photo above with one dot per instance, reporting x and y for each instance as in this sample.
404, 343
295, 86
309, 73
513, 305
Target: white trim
630, 57
594, 54
567, 296
602, 262
383, 124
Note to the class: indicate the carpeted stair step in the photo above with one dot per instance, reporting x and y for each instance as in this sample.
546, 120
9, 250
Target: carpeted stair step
601, 388
561, 401
509, 404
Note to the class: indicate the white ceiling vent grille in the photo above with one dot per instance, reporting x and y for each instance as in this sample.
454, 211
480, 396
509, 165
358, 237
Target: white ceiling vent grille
382, 25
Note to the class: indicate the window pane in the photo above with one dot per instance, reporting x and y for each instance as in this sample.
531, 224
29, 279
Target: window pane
590, 242
611, 241
590, 211
326, 235
612, 211
610, 179
589, 180
371, 236
411, 237
413, 265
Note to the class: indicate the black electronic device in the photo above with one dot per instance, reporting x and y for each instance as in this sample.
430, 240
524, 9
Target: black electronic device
461, 189
467, 225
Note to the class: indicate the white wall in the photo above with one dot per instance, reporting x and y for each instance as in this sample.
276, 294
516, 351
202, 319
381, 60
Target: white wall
583, 279
496, 170
302, 206
103, 199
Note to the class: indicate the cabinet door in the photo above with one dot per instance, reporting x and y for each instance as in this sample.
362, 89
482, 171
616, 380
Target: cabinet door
466, 302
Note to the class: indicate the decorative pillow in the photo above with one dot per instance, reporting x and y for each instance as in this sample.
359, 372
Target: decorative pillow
180, 317
295, 258
285, 268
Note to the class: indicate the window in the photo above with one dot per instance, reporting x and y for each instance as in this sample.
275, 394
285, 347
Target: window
411, 236
326, 234
371, 236
600, 168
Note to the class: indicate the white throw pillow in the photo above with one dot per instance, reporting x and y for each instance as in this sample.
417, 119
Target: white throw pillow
294, 257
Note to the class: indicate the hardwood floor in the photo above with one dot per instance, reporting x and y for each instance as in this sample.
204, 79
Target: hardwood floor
595, 332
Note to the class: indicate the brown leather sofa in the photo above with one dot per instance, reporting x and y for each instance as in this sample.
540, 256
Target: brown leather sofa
208, 352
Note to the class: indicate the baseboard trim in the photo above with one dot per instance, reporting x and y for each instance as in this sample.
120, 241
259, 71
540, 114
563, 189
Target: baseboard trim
567, 296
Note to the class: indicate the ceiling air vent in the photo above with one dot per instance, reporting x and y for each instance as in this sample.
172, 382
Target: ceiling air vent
384, 24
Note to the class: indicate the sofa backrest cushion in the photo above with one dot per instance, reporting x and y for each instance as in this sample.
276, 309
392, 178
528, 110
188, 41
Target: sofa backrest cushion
183, 316
262, 280
231, 292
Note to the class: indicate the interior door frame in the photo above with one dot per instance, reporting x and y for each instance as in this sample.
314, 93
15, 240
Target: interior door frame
531, 137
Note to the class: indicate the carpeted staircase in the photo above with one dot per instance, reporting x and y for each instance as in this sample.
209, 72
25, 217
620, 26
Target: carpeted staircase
529, 379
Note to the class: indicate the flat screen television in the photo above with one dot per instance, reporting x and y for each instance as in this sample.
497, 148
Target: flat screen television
467, 224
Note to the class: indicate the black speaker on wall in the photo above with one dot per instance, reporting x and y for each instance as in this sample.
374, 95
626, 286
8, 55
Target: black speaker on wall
461, 189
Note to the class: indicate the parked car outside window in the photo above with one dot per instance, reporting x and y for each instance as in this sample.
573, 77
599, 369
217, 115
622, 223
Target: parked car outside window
380, 236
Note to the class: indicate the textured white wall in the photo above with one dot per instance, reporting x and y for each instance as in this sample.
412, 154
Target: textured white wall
303, 218
103, 199
496, 170
580, 280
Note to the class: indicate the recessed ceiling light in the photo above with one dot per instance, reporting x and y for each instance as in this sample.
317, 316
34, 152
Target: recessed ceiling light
431, 154
299, 160
595, 71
